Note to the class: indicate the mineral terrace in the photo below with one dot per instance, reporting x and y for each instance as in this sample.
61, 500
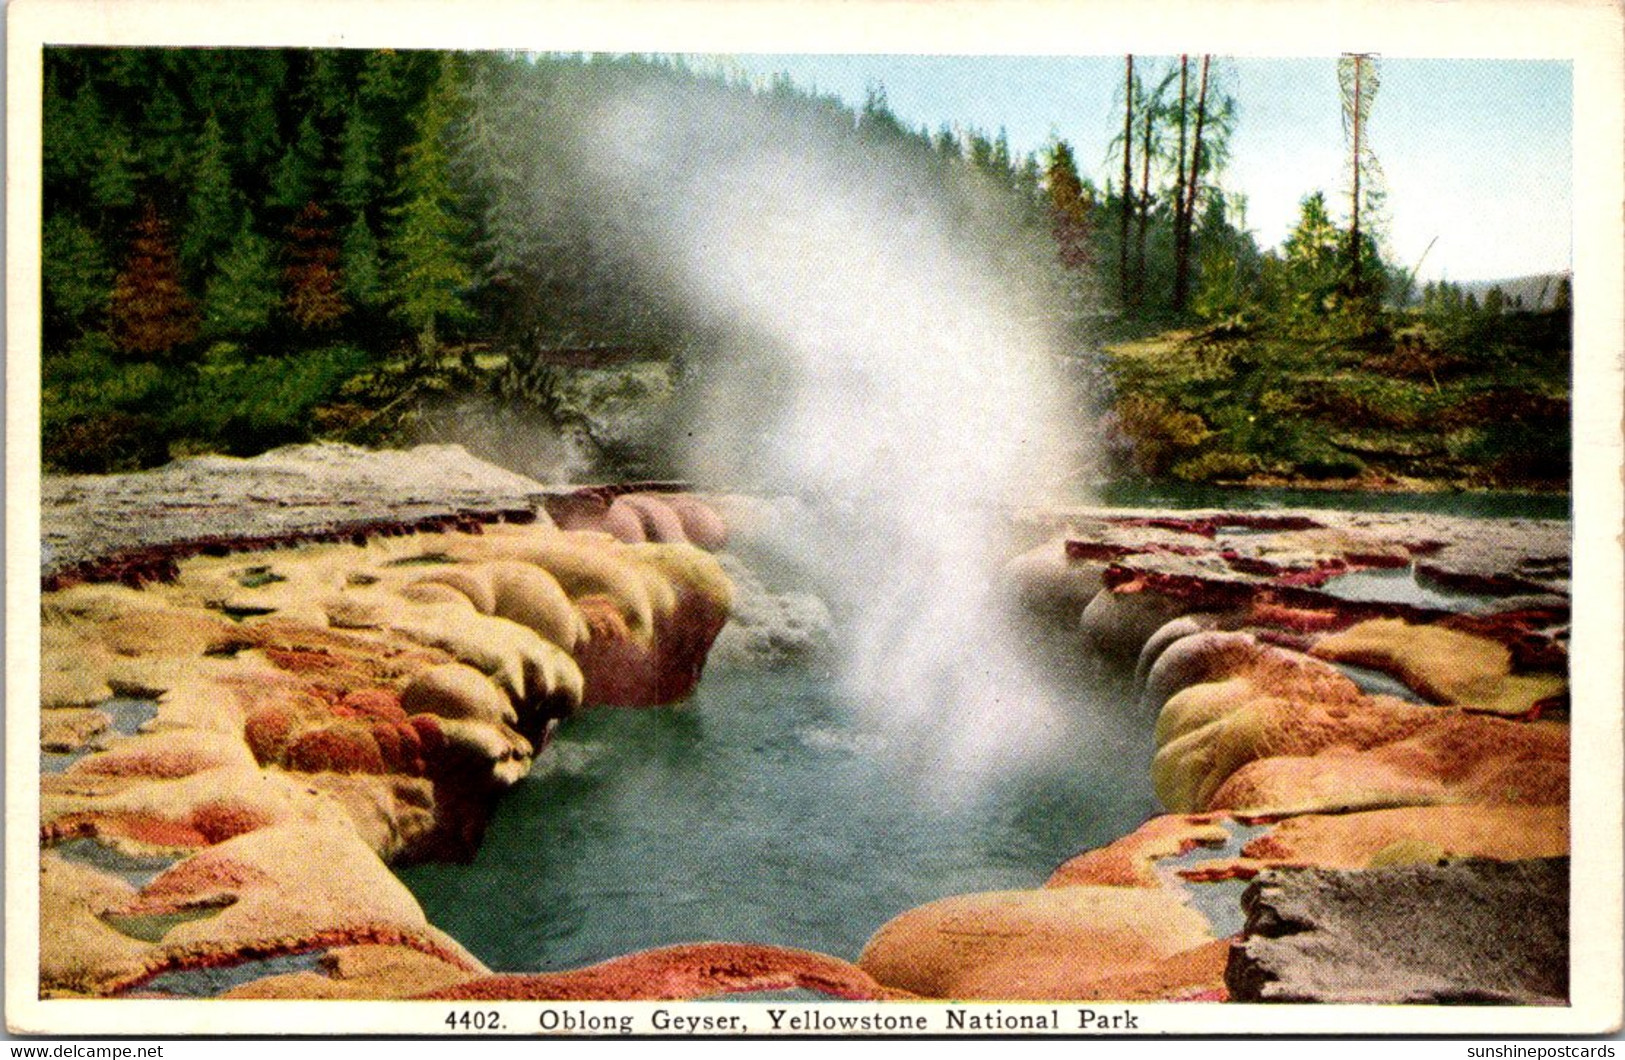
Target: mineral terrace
265, 681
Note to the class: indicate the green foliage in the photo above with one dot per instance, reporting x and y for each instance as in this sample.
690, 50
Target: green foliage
426, 262
1309, 288
1159, 432
90, 378
104, 443
360, 265
1225, 289
94, 409
1396, 403
1071, 208
1216, 467
294, 182
113, 184
242, 294
248, 403
75, 273
359, 179
73, 131
212, 207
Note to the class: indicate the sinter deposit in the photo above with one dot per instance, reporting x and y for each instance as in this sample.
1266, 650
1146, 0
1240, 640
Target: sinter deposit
239, 740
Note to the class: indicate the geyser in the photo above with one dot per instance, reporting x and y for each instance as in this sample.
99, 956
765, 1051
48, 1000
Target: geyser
885, 337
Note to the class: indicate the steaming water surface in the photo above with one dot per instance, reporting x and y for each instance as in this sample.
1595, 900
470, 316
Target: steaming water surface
761, 811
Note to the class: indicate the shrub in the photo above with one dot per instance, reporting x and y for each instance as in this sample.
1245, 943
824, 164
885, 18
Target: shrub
245, 404
1158, 431
1216, 466
1329, 463
97, 444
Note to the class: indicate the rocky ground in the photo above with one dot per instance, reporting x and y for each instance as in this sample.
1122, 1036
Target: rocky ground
263, 680
1364, 713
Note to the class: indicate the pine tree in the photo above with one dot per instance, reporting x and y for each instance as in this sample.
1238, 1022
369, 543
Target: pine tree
380, 82
1069, 208
1123, 287
427, 271
294, 183
1314, 263
72, 134
360, 265
252, 104
358, 162
150, 311
74, 271
212, 207
113, 185
163, 130
1185, 209
1358, 79
314, 298
326, 83
242, 294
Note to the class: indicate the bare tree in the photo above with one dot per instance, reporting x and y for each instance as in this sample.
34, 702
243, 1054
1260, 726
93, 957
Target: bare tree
1185, 215
1357, 82
1128, 178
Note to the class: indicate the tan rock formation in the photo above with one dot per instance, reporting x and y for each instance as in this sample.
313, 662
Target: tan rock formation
1062, 942
322, 708
1443, 665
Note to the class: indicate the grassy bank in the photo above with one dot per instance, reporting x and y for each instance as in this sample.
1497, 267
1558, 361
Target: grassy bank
1414, 403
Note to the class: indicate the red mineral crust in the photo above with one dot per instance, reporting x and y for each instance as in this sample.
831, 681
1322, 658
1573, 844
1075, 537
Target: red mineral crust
145, 828
622, 670
380, 704
345, 747
678, 972
227, 956
141, 565
639, 512
1209, 525
1129, 861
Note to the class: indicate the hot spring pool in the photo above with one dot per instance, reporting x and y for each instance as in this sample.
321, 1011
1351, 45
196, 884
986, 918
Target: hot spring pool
760, 811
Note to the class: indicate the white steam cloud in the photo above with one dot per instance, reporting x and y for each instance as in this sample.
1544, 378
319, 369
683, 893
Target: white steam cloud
886, 353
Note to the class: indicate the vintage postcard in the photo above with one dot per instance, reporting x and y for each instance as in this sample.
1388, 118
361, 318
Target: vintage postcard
814, 519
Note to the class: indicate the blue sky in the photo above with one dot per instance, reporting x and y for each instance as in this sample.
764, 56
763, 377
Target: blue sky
1477, 154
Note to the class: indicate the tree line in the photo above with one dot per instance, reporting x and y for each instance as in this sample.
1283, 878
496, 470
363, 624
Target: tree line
233, 237
230, 235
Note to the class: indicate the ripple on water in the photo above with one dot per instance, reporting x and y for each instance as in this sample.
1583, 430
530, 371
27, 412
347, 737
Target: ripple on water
1218, 900
127, 715
1376, 683
1403, 585
840, 740
567, 757
137, 870
214, 981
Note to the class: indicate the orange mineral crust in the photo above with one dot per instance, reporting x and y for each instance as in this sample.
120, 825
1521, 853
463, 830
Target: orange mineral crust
680, 972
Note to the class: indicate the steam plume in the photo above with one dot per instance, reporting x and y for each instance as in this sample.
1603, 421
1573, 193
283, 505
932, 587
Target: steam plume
883, 349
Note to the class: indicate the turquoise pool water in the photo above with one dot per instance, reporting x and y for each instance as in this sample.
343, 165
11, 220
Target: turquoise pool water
760, 811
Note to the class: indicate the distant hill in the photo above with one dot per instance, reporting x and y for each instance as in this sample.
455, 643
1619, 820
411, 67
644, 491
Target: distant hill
1538, 291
